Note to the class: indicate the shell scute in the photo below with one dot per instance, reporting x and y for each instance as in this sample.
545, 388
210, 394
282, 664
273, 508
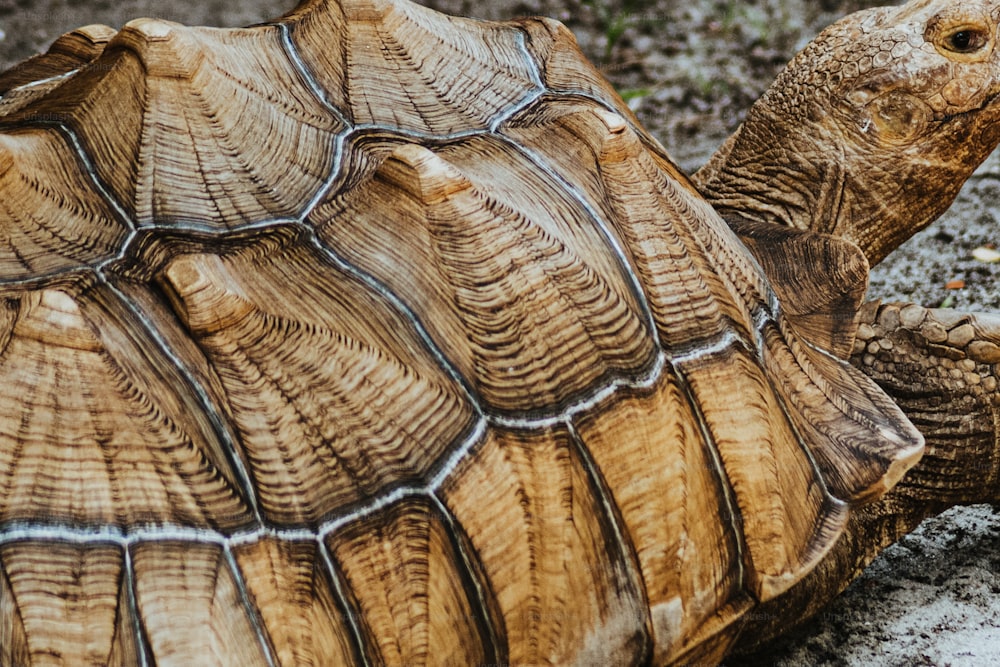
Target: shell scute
69, 604
333, 396
290, 586
405, 572
565, 70
54, 218
663, 229
39, 74
566, 585
169, 153
193, 608
665, 480
523, 299
406, 67
112, 437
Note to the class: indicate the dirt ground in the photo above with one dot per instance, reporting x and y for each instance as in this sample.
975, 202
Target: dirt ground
690, 70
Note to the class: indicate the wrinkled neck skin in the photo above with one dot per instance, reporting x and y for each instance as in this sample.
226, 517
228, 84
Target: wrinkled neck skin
809, 179
872, 129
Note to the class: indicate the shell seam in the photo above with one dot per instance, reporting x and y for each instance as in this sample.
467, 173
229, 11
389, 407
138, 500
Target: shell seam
211, 411
250, 608
141, 641
611, 510
341, 600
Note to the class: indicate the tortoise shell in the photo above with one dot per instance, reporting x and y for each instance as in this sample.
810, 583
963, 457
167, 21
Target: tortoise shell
376, 336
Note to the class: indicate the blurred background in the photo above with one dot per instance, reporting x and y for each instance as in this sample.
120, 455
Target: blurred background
690, 69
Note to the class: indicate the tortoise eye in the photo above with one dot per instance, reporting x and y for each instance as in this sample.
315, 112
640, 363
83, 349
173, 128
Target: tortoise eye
966, 41
961, 40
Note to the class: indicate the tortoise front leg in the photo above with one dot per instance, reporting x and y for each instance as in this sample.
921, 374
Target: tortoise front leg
942, 368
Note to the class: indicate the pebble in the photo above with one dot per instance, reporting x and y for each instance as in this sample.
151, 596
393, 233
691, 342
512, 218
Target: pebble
984, 254
889, 318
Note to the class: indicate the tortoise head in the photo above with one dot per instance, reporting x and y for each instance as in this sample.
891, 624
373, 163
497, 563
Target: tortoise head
871, 130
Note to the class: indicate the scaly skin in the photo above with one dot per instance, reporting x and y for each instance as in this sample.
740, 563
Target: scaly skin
868, 135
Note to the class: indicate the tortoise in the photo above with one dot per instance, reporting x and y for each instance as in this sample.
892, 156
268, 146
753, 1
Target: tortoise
370, 335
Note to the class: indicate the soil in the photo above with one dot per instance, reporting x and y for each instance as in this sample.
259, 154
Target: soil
690, 70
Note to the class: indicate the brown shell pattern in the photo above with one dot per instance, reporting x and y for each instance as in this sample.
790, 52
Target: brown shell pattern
375, 336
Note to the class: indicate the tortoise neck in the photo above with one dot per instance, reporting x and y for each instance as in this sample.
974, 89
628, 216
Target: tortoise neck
956, 469
754, 177
797, 174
